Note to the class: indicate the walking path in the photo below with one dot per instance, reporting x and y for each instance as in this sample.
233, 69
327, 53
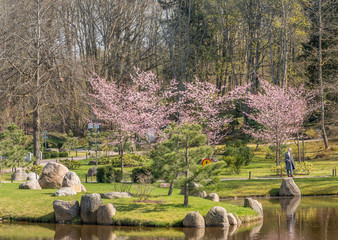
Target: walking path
269, 178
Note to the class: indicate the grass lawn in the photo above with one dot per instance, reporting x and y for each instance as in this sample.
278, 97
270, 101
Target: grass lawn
323, 160
37, 205
270, 187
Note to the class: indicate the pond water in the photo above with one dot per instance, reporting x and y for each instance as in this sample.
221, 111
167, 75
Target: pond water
285, 218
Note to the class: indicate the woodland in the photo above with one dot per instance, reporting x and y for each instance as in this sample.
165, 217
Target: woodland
53, 52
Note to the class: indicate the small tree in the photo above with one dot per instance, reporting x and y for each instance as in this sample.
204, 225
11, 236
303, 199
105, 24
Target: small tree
180, 153
12, 147
71, 142
279, 112
95, 138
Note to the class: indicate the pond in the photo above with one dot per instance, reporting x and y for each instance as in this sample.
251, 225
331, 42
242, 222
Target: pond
284, 218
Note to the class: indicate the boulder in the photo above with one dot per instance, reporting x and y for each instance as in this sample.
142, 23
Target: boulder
19, 175
254, 204
194, 190
232, 219
213, 196
164, 185
92, 171
217, 217
66, 211
83, 189
32, 184
52, 175
239, 221
89, 205
111, 195
72, 180
65, 191
289, 188
194, 219
33, 176
105, 214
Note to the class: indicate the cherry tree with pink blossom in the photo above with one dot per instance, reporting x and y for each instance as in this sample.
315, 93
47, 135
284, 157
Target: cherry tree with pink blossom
201, 102
133, 109
280, 112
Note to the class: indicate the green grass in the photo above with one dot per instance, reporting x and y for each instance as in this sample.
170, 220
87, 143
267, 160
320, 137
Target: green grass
323, 160
37, 205
270, 187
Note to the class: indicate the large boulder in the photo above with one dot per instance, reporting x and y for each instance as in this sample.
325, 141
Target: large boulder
217, 217
72, 180
111, 195
289, 188
89, 206
66, 211
33, 184
65, 191
52, 175
195, 190
105, 214
213, 197
254, 204
92, 171
33, 176
194, 219
19, 175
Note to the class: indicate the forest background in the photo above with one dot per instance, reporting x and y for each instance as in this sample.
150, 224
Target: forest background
48, 48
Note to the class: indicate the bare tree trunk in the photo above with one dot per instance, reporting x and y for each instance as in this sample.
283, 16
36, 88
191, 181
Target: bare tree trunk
186, 186
299, 160
320, 60
36, 113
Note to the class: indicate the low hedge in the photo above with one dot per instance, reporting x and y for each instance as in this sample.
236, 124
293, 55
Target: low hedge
71, 165
142, 175
107, 174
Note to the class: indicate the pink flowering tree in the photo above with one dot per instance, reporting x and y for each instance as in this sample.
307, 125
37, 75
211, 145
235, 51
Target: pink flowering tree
201, 103
133, 109
279, 112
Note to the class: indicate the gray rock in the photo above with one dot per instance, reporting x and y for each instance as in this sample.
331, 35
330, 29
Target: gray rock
66, 211
232, 219
72, 180
19, 175
105, 214
33, 176
65, 191
111, 195
254, 204
89, 205
83, 189
194, 219
195, 190
289, 188
213, 196
217, 217
33, 184
52, 175
92, 171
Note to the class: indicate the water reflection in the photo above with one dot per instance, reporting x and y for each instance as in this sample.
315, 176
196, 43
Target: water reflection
85, 232
289, 206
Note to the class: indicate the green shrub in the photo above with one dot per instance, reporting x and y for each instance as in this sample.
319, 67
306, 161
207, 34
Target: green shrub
236, 157
304, 168
35, 168
142, 175
46, 155
63, 154
275, 170
108, 174
71, 165
54, 154
129, 160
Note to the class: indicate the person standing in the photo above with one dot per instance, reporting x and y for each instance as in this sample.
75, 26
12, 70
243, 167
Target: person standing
289, 163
